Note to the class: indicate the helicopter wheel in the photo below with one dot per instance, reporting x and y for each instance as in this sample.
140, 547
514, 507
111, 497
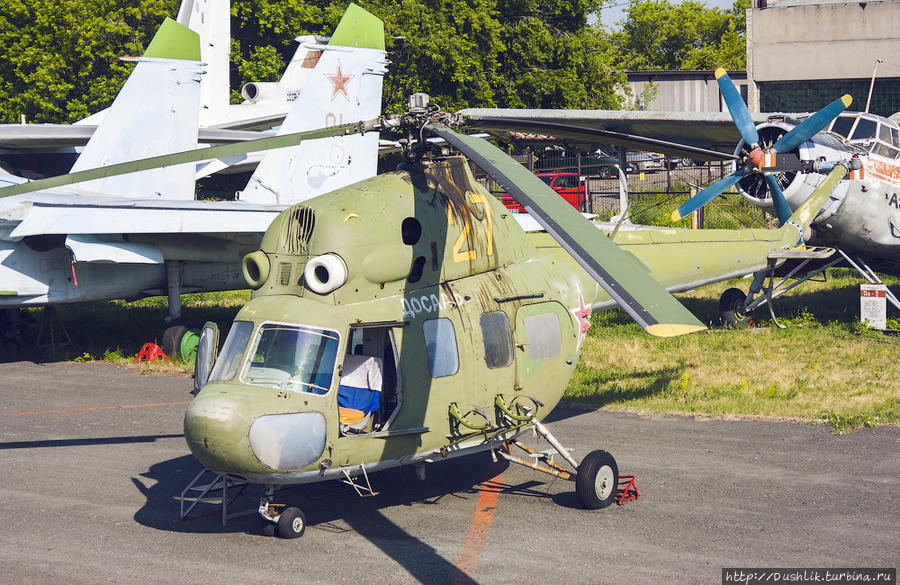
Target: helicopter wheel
291, 523
731, 309
597, 480
267, 528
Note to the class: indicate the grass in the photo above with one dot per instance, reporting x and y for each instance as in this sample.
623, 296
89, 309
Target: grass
824, 366
114, 331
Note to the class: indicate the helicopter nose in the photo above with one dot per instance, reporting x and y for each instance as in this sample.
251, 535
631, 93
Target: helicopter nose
219, 430
213, 426
288, 441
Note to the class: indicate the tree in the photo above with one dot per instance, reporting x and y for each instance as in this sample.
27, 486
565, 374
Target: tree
658, 35
515, 53
60, 58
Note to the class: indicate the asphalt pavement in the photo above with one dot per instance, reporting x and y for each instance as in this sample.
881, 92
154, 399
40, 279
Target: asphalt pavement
92, 461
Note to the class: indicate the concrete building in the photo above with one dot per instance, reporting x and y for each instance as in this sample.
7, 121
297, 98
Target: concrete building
681, 91
803, 54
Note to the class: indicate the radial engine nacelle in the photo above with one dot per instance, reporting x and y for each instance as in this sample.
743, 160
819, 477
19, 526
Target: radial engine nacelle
796, 185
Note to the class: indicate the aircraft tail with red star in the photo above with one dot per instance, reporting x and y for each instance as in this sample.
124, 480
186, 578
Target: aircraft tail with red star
344, 87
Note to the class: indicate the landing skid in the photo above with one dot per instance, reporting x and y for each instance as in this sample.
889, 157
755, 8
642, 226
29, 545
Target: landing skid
734, 308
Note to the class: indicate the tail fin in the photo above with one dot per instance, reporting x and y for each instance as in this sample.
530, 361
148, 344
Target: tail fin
211, 19
344, 87
155, 113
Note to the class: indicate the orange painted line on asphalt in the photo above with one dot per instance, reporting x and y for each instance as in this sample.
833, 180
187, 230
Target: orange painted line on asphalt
467, 562
90, 408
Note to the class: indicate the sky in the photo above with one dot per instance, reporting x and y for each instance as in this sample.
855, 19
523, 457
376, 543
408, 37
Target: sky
609, 16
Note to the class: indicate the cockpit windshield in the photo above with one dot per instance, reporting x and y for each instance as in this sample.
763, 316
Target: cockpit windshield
874, 133
293, 357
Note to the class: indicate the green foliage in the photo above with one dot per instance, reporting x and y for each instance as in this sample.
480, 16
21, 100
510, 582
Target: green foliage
60, 58
661, 35
509, 53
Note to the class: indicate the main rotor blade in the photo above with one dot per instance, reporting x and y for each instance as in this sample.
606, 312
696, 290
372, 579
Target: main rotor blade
708, 194
782, 209
620, 274
737, 108
595, 136
812, 125
189, 156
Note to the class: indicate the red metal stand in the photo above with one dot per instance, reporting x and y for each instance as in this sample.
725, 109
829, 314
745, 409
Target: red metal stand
150, 352
627, 490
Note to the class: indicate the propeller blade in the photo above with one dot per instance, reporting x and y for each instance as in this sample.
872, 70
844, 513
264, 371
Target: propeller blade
189, 156
812, 125
620, 274
708, 194
782, 209
737, 108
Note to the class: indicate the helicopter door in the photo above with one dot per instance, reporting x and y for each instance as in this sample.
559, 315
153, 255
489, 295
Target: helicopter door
369, 392
544, 347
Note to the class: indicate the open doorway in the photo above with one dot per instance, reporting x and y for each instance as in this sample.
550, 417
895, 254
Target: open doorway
369, 393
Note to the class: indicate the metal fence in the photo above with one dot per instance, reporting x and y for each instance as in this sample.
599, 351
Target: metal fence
655, 185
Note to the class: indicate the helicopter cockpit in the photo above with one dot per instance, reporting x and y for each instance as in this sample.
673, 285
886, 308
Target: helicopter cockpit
302, 358
873, 133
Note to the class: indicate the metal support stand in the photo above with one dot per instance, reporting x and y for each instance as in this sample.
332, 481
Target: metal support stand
174, 270
215, 493
50, 318
870, 276
363, 491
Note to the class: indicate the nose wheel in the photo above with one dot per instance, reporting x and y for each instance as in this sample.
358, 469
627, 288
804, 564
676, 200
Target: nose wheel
289, 523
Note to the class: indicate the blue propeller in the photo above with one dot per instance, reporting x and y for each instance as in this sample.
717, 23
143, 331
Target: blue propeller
744, 122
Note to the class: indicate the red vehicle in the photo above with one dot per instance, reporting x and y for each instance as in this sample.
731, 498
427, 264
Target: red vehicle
567, 185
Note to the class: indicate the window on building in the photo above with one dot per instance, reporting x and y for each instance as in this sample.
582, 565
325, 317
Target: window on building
498, 349
440, 347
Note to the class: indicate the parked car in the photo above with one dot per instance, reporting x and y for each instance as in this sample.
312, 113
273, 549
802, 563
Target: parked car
568, 185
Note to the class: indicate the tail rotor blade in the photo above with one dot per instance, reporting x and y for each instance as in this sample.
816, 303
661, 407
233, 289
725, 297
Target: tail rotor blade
782, 209
708, 194
812, 125
737, 108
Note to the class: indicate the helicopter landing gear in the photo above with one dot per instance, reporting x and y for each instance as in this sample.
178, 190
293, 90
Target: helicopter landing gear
596, 477
597, 480
291, 523
288, 523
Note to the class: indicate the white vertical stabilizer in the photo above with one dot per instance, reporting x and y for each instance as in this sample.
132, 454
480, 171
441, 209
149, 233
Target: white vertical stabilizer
155, 113
345, 86
211, 19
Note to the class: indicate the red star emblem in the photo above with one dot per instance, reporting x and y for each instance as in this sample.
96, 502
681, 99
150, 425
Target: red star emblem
339, 80
583, 317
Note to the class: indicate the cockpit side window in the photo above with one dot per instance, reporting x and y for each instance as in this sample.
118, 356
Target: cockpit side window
226, 367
